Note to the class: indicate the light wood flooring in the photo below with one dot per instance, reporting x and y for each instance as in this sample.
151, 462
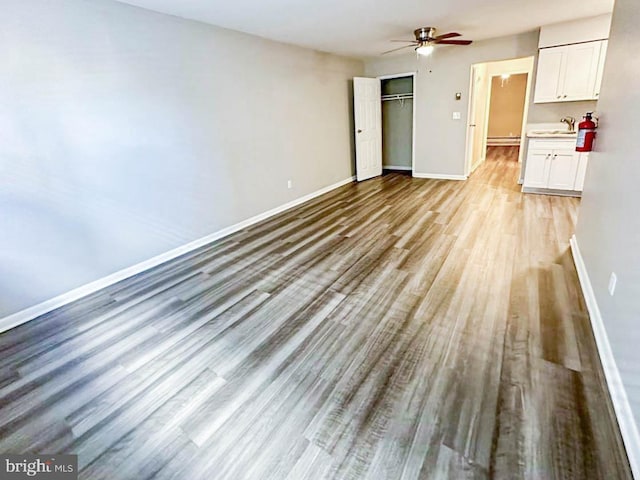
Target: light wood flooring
397, 328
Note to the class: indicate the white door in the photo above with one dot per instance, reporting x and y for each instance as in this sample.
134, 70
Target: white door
548, 79
480, 114
477, 113
580, 71
367, 108
537, 169
563, 169
471, 126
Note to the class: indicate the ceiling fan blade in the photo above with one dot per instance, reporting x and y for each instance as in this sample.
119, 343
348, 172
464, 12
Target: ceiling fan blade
454, 42
404, 41
447, 35
396, 49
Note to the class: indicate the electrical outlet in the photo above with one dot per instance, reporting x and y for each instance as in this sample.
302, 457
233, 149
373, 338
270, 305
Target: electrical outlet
613, 279
289, 184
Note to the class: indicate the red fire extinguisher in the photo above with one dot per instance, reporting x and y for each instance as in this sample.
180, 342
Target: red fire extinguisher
586, 134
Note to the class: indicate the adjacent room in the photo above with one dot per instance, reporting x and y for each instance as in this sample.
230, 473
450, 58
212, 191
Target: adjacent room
506, 115
300, 240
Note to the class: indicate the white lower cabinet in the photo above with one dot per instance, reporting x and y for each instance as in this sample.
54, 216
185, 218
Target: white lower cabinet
555, 165
537, 173
563, 167
583, 160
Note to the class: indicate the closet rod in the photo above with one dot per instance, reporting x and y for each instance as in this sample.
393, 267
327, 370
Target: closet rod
400, 96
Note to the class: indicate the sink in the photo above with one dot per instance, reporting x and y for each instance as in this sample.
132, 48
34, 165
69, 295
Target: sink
552, 132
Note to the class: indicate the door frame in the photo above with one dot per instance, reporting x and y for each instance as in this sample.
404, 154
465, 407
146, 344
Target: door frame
414, 109
470, 136
512, 66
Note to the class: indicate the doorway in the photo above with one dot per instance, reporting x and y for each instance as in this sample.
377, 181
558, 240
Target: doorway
498, 109
397, 99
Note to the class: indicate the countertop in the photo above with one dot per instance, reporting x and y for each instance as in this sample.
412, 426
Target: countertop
549, 130
551, 134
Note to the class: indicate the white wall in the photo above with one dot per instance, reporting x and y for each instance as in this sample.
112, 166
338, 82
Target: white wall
608, 230
440, 141
575, 31
125, 133
553, 112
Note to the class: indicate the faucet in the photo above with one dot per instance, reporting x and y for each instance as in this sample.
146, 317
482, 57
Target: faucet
570, 121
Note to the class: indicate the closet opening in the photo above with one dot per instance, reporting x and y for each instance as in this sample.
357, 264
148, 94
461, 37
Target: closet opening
398, 122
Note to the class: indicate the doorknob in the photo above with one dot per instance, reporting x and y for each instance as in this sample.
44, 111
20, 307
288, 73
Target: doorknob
359, 131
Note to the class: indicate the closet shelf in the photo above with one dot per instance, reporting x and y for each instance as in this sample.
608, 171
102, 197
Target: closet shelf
399, 96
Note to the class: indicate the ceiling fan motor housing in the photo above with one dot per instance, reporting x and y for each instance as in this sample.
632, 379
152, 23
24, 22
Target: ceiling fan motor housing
425, 34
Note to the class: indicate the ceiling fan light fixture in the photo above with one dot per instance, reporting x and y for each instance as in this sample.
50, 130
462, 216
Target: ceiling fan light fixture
425, 50
426, 39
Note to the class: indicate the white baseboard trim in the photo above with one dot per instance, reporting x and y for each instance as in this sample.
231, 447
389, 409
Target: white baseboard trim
621, 405
30, 313
439, 176
551, 191
396, 167
503, 141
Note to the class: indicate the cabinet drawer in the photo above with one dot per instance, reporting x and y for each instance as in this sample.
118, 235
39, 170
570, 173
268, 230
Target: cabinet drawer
552, 144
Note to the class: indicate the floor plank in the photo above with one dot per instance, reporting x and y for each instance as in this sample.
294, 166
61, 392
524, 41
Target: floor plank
397, 328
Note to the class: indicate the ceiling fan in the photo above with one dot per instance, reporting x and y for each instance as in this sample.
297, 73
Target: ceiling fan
426, 40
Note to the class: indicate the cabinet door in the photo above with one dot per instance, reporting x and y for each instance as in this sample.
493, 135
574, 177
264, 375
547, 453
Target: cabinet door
583, 159
603, 55
580, 69
537, 169
550, 66
562, 170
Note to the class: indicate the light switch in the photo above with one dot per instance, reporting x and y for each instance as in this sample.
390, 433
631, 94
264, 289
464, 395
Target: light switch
456, 115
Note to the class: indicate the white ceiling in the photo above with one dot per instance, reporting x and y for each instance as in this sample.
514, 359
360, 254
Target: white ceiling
363, 28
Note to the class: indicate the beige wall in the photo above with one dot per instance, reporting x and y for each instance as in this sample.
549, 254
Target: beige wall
440, 140
608, 230
127, 133
507, 106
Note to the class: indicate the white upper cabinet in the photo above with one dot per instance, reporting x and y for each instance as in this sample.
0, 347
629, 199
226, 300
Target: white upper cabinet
570, 72
571, 60
603, 55
550, 63
581, 68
